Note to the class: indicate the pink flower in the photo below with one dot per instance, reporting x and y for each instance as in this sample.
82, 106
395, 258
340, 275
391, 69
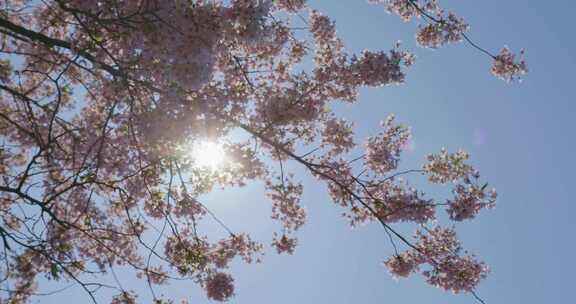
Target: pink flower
338, 134
124, 298
285, 244
444, 167
286, 207
402, 265
457, 274
395, 203
379, 68
435, 35
468, 200
322, 27
440, 249
507, 68
291, 5
219, 286
383, 151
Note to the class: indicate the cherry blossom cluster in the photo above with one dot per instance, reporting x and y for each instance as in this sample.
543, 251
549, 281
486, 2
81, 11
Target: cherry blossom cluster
156, 206
469, 199
284, 106
409, 9
330, 57
249, 18
284, 244
188, 256
435, 35
179, 47
402, 265
220, 286
154, 274
222, 253
189, 207
395, 203
124, 298
286, 208
383, 151
447, 167
341, 74
457, 274
338, 134
379, 68
439, 28
469, 196
323, 29
290, 5
506, 66
198, 256
402, 8
440, 249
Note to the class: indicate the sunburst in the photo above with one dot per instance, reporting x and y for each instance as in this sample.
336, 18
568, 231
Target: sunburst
207, 154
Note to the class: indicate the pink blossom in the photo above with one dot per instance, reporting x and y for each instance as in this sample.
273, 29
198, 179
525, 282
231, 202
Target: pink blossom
338, 134
240, 245
457, 274
378, 69
440, 249
506, 66
189, 207
395, 203
322, 27
383, 151
435, 35
124, 298
468, 200
286, 207
285, 244
402, 265
220, 286
445, 167
291, 5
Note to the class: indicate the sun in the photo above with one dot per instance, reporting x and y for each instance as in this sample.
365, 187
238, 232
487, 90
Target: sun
207, 154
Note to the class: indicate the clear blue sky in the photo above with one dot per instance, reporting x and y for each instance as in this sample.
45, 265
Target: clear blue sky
520, 136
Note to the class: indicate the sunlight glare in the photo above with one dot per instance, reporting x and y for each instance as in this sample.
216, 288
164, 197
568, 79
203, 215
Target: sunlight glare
208, 154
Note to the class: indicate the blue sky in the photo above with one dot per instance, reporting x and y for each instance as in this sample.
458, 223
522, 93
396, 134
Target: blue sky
521, 138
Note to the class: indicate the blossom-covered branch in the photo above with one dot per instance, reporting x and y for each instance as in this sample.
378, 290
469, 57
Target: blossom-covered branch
101, 103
